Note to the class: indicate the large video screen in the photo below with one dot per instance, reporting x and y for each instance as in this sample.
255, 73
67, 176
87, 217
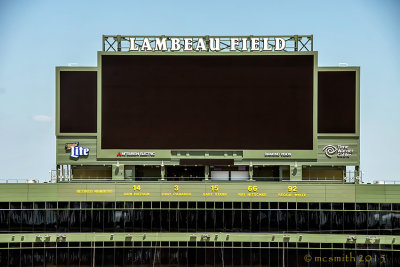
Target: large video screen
337, 102
246, 102
78, 101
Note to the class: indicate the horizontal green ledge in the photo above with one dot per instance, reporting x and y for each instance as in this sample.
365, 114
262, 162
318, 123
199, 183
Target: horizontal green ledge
298, 238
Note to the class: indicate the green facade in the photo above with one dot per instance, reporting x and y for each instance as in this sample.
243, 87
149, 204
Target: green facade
140, 216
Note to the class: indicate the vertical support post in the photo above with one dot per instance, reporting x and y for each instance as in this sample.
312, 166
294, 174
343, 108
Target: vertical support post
312, 42
344, 175
357, 178
296, 172
119, 43
251, 171
162, 171
118, 171
206, 172
57, 173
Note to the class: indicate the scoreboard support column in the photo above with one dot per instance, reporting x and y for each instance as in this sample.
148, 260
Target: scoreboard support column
296, 172
118, 171
251, 172
162, 171
206, 172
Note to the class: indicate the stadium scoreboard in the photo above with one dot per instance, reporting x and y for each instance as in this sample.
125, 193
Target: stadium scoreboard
242, 99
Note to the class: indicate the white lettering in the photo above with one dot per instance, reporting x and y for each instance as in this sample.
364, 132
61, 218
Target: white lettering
234, 43
77, 151
188, 44
255, 44
73, 152
340, 151
244, 44
214, 44
133, 47
201, 45
138, 154
277, 154
267, 47
175, 44
146, 45
161, 44
280, 44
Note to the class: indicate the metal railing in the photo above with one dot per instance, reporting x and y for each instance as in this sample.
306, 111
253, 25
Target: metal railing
350, 178
181, 179
28, 181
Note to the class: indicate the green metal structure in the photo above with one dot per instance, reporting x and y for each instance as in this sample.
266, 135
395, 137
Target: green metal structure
262, 208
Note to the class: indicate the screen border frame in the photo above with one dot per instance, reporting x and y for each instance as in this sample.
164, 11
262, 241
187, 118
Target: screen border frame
58, 98
357, 104
185, 153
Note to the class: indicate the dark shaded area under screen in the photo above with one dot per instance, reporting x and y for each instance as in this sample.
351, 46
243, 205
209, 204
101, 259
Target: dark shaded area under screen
336, 102
207, 102
78, 101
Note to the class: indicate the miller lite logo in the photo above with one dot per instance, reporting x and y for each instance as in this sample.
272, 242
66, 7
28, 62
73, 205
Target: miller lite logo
76, 150
68, 146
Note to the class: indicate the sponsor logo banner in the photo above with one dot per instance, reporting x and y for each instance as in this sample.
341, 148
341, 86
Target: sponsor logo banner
277, 155
76, 151
136, 154
339, 151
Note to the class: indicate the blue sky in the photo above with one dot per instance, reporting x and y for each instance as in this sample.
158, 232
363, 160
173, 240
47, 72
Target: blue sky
36, 36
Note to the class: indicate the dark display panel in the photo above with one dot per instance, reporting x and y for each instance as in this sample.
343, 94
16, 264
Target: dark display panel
78, 101
207, 102
336, 102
